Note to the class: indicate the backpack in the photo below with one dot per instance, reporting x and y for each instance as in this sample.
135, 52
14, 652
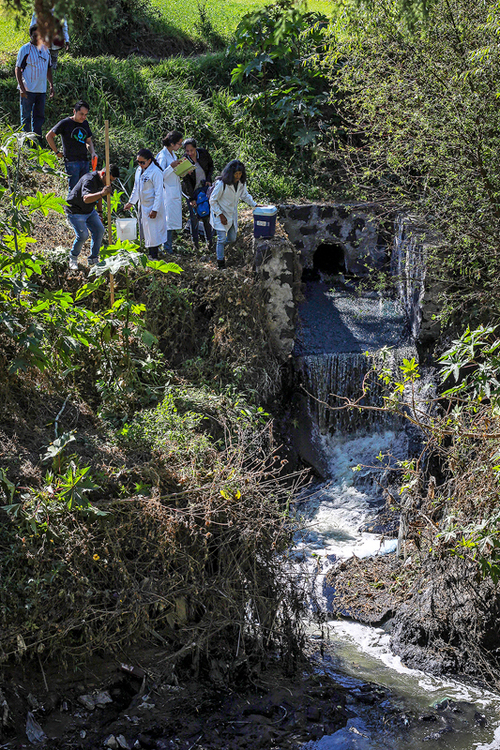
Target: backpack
202, 204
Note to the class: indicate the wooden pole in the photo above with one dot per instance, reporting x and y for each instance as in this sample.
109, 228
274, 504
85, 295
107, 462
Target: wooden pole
108, 199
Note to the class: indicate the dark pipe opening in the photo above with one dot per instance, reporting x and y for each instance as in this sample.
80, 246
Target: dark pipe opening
328, 259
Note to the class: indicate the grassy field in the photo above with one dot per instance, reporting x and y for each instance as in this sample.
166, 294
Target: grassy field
224, 16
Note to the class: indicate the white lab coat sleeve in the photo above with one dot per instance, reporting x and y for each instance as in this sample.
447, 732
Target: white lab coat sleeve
157, 178
161, 158
167, 172
134, 195
247, 198
216, 193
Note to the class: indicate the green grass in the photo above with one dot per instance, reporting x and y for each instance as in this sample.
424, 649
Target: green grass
224, 15
143, 100
182, 15
13, 33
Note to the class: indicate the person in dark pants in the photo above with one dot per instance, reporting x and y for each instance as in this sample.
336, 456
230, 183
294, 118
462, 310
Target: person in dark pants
76, 137
201, 176
33, 70
59, 37
82, 216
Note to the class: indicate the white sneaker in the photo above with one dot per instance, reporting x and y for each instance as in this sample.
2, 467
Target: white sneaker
73, 264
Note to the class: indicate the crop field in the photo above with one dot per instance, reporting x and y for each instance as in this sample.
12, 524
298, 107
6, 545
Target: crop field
223, 15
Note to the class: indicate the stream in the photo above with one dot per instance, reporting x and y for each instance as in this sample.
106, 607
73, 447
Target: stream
414, 710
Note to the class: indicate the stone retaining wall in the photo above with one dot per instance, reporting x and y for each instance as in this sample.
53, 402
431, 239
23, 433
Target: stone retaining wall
352, 226
277, 264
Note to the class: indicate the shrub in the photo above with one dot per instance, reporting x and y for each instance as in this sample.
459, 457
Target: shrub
200, 562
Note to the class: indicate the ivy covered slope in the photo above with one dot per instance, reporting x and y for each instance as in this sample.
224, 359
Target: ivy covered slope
140, 493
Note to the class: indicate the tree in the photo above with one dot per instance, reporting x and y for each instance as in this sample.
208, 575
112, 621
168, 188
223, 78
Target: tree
285, 85
97, 26
422, 133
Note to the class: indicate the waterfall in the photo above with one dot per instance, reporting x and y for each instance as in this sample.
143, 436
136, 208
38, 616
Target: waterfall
331, 378
343, 329
355, 454
408, 265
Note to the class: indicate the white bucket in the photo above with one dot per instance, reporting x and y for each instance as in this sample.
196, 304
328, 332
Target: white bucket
126, 229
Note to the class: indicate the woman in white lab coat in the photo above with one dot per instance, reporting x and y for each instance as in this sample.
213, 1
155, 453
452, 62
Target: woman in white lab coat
229, 189
148, 191
167, 159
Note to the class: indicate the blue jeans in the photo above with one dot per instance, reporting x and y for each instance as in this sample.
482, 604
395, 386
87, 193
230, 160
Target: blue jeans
223, 237
82, 223
194, 222
75, 170
33, 113
167, 246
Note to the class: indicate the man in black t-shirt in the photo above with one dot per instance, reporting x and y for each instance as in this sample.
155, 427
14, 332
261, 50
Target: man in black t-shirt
76, 137
82, 216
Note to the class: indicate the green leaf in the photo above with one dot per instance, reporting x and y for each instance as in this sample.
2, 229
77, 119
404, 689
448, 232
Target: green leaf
55, 448
161, 265
149, 338
88, 289
45, 203
8, 487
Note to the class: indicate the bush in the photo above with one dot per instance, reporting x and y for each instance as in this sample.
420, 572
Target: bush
199, 562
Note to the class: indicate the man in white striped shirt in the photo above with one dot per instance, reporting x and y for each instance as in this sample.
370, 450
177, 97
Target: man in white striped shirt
33, 70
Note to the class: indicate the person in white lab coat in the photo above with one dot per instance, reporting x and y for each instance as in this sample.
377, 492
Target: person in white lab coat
148, 191
167, 159
229, 189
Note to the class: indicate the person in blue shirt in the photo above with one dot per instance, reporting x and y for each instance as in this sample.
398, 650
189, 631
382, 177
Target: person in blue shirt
33, 70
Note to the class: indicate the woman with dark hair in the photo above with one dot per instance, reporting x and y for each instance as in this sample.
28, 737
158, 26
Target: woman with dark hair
148, 191
168, 160
200, 179
228, 191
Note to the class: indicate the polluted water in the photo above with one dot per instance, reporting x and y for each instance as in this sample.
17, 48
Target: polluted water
355, 454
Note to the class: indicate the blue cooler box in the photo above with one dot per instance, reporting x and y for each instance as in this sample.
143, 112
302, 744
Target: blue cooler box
264, 221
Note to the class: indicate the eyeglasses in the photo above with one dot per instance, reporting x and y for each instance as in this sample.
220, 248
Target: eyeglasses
141, 161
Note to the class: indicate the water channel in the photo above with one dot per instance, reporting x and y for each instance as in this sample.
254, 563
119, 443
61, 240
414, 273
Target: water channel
338, 324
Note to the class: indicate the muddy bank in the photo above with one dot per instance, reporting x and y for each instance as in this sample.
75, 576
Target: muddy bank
443, 618
140, 703
368, 590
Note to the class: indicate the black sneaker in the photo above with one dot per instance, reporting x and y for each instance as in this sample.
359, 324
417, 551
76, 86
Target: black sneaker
221, 263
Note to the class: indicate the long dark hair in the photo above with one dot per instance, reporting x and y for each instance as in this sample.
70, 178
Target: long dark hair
227, 174
147, 154
173, 137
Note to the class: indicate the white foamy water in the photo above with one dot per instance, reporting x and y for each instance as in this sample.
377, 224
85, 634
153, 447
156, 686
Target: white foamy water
361, 653
335, 514
334, 517
422, 711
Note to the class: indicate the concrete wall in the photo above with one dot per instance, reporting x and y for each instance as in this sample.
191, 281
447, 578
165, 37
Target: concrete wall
353, 226
277, 264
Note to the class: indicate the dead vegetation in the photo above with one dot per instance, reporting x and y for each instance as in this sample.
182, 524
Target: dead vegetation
369, 590
181, 532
